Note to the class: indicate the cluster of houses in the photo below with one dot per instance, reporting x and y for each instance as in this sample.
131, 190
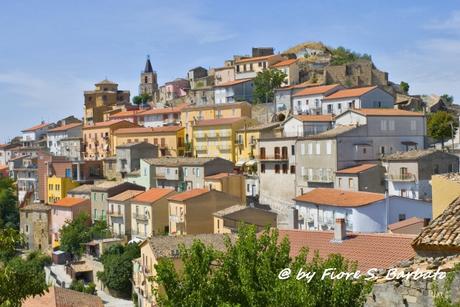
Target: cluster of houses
323, 163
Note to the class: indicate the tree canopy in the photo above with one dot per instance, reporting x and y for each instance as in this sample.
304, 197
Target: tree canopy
341, 56
441, 126
265, 83
9, 212
142, 99
448, 99
404, 87
246, 274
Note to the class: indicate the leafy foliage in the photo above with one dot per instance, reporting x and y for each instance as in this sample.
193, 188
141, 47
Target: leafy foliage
118, 267
246, 274
441, 125
448, 100
79, 285
9, 212
142, 99
341, 56
264, 84
404, 86
442, 293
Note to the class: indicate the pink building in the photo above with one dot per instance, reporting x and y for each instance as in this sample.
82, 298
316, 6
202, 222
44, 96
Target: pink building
174, 89
64, 210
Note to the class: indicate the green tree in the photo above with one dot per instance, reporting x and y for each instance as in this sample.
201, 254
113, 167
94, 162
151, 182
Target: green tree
404, 87
341, 56
79, 285
246, 274
441, 126
99, 230
118, 267
142, 99
74, 233
448, 100
9, 212
265, 83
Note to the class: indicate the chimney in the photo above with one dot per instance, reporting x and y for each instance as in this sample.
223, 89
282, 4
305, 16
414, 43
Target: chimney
340, 232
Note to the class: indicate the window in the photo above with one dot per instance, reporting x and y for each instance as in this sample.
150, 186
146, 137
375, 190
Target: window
285, 168
262, 152
185, 171
329, 147
339, 184
401, 217
292, 169
383, 125
318, 148
262, 168
27, 228
277, 168
284, 152
350, 183
95, 214
329, 108
413, 125
436, 169
50, 187
292, 150
391, 125
451, 168
382, 150
276, 152
302, 149
403, 193
302, 171
310, 148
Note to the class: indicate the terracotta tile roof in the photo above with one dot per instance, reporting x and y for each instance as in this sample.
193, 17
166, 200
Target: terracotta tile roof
36, 127
71, 202
443, 232
386, 112
218, 121
339, 198
219, 176
234, 82
369, 250
315, 118
82, 189
141, 130
66, 127
413, 155
316, 90
62, 297
126, 195
107, 123
188, 194
356, 169
351, 92
176, 109
3, 167
254, 59
332, 133
218, 106
124, 114
152, 195
404, 223
284, 63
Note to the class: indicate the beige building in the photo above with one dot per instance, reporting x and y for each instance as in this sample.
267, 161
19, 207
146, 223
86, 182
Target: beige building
224, 74
104, 98
367, 177
230, 183
229, 219
247, 68
446, 189
119, 213
291, 68
191, 212
149, 213
99, 139
35, 226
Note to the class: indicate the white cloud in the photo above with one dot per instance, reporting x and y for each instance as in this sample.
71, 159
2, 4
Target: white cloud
450, 23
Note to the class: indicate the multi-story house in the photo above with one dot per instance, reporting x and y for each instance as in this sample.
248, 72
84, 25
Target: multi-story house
135, 116
55, 135
173, 89
408, 174
149, 213
247, 68
104, 98
26, 175
169, 140
65, 210
283, 96
196, 76
119, 213
224, 75
228, 220
309, 100
31, 137
99, 138
216, 137
277, 156
362, 211
7, 153
160, 117
233, 91
357, 98
130, 154
71, 148
201, 96
180, 173
367, 177
230, 183
291, 68
34, 224
214, 111
82, 191
101, 192
58, 188
305, 125
191, 212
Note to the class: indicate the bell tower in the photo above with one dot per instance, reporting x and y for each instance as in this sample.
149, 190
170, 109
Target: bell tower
148, 83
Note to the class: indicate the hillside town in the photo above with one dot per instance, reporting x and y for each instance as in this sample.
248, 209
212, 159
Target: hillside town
331, 154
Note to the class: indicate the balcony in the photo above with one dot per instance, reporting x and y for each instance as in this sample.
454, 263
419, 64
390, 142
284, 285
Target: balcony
176, 219
201, 148
224, 147
403, 177
140, 234
225, 134
200, 136
316, 178
141, 216
274, 158
115, 213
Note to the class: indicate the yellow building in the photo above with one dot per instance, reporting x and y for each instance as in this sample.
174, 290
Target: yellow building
104, 98
247, 139
170, 139
445, 190
214, 111
58, 187
230, 183
217, 137
99, 140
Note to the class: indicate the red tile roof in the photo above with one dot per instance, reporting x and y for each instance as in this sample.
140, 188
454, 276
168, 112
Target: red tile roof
219, 176
339, 198
107, 123
404, 223
386, 112
126, 114
71, 202
176, 109
369, 250
188, 195
140, 130
36, 127
356, 169
315, 118
234, 82
218, 121
126, 195
254, 59
152, 195
62, 297
285, 63
351, 92
66, 127
316, 90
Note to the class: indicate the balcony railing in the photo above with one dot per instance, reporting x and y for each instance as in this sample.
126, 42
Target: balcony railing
316, 178
176, 219
141, 216
224, 147
401, 177
273, 158
115, 213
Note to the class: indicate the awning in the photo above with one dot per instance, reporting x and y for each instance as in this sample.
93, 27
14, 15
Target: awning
251, 162
240, 163
410, 143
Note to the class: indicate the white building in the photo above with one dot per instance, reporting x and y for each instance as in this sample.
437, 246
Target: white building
35, 133
310, 99
304, 125
162, 116
55, 135
362, 211
357, 98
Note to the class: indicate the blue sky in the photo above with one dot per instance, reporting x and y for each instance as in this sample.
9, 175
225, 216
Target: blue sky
51, 51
